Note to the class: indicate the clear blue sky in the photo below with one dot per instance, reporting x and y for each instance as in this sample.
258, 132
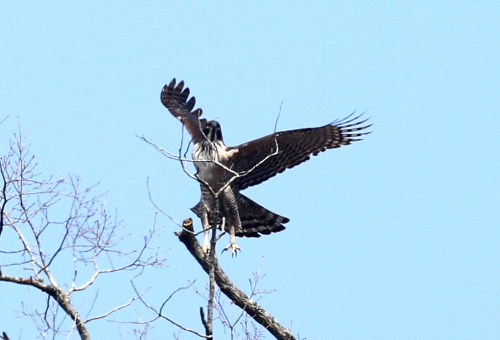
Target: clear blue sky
395, 237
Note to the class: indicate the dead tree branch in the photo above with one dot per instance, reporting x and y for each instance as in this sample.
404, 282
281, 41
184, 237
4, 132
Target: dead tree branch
251, 307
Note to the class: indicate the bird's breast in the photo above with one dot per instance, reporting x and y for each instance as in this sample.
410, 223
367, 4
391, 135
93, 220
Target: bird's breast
208, 159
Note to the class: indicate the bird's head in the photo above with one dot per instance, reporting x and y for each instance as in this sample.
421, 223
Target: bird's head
212, 131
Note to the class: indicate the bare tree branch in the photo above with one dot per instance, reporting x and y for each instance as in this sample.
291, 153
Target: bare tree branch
116, 309
80, 228
253, 309
57, 294
4, 199
159, 313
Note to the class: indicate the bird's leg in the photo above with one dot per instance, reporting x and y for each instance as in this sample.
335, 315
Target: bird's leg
207, 228
231, 211
222, 224
232, 242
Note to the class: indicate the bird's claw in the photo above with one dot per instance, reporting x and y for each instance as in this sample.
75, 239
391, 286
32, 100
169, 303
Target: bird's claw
206, 249
234, 249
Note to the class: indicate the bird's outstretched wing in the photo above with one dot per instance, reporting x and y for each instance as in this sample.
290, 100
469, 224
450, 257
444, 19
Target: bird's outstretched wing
293, 147
175, 99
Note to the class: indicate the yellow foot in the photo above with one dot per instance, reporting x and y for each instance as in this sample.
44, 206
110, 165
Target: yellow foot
234, 247
206, 248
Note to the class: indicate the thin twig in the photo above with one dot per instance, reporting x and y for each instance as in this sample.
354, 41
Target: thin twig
116, 309
277, 118
159, 314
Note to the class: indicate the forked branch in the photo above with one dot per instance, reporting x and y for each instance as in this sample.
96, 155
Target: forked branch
251, 307
57, 294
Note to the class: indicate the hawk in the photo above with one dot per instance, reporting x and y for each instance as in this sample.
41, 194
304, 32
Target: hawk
224, 171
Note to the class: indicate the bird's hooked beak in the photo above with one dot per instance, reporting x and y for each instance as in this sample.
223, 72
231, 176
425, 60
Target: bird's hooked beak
212, 131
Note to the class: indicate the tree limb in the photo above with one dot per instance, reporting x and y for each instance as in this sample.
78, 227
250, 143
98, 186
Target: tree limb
253, 309
57, 294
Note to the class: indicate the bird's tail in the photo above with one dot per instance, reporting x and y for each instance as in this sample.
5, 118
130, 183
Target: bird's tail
255, 219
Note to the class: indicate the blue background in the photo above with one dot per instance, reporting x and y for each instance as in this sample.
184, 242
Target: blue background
394, 237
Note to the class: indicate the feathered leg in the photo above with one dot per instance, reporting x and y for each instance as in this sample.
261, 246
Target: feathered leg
202, 212
230, 207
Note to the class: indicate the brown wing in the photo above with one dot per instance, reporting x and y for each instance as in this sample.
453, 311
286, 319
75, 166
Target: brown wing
293, 147
174, 98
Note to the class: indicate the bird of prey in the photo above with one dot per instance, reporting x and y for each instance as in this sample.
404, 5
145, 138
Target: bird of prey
224, 171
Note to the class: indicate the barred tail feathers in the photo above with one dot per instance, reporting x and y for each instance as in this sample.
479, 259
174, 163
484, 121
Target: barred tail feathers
255, 219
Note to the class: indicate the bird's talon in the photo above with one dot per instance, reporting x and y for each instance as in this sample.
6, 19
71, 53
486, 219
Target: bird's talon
206, 249
234, 249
